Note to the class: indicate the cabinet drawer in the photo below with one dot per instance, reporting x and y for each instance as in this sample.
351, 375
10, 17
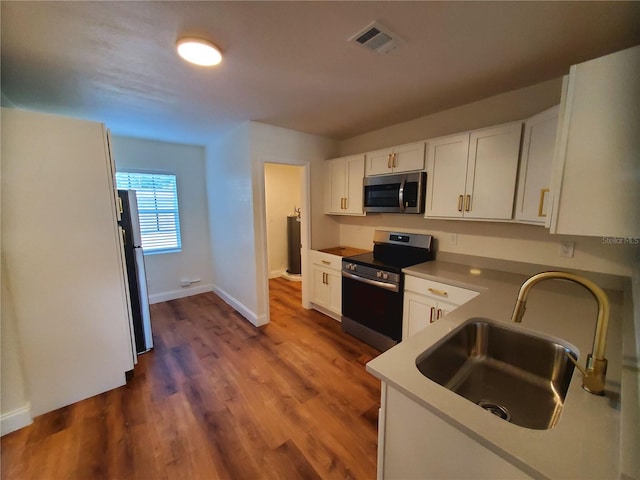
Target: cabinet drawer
326, 260
440, 291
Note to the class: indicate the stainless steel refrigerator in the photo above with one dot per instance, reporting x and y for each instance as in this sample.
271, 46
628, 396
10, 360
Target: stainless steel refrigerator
136, 276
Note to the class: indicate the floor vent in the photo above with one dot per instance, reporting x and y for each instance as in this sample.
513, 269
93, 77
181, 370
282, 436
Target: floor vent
376, 38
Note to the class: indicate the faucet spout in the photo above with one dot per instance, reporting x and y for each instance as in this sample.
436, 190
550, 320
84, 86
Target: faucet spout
594, 374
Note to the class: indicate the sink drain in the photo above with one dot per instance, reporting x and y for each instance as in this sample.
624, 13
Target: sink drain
497, 410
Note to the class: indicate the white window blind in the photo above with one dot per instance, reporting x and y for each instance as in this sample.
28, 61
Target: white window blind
157, 197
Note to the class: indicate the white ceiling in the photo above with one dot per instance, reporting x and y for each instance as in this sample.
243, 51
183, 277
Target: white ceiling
289, 63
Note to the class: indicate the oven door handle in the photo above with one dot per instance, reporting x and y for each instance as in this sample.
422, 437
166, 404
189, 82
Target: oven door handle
387, 286
401, 194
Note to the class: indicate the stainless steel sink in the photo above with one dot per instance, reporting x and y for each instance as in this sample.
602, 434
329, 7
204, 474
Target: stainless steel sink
518, 377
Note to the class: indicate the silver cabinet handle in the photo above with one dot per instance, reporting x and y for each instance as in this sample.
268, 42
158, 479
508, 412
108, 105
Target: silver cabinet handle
401, 194
387, 286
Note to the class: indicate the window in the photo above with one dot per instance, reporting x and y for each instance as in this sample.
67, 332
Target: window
157, 197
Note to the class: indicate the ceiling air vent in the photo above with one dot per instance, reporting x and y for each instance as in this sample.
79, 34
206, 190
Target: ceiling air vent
376, 38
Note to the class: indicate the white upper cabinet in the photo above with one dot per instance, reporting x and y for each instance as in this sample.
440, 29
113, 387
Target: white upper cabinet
403, 158
343, 191
446, 175
534, 181
492, 172
596, 187
473, 175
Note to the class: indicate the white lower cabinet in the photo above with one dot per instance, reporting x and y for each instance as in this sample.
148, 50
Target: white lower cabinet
426, 301
326, 291
416, 443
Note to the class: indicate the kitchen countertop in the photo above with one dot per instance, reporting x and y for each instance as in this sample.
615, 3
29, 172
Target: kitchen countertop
343, 251
586, 441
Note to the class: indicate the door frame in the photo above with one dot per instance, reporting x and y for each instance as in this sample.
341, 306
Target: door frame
262, 254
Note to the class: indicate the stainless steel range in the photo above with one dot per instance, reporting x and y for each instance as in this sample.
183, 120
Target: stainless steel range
373, 285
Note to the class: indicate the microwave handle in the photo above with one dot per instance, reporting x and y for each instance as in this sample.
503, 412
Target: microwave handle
401, 194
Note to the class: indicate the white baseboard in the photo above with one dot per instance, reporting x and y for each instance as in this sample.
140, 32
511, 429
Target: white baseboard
256, 320
183, 292
292, 277
15, 420
327, 312
276, 274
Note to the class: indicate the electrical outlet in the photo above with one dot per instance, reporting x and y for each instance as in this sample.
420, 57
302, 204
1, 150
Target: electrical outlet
453, 239
566, 249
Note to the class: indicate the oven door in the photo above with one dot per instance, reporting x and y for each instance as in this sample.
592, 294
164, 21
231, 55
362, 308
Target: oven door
372, 306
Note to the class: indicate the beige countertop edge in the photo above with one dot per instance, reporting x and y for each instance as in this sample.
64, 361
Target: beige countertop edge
588, 433
630, 413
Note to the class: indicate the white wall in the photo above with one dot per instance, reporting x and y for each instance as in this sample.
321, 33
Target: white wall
230, 202
187, 162
281, 145
236, 198
523, 243
282, 194
503, 108
15, 408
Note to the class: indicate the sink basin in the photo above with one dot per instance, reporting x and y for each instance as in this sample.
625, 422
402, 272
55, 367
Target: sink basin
519, 377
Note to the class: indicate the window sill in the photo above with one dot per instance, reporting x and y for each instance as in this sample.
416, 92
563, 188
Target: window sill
160, 252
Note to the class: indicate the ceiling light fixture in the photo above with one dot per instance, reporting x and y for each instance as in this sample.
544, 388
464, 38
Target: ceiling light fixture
198, 51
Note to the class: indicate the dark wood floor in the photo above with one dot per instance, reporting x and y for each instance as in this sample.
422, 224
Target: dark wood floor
219, 398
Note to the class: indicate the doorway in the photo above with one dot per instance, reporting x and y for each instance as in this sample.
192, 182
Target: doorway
284, 192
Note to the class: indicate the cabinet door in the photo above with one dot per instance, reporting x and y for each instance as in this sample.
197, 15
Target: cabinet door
446, 175
336, 185
355, 173
320, 294
408, 158
491, 175
534, 181
334, 285
379, 162
444, 308
597, 155
418, 312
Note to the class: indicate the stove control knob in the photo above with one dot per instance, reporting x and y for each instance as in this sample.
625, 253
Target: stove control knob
354, 267
385, 276
379, 274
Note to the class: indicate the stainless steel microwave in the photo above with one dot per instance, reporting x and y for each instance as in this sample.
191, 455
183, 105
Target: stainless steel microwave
404, 193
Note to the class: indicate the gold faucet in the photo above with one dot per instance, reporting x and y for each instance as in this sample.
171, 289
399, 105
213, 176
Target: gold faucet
593, 377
